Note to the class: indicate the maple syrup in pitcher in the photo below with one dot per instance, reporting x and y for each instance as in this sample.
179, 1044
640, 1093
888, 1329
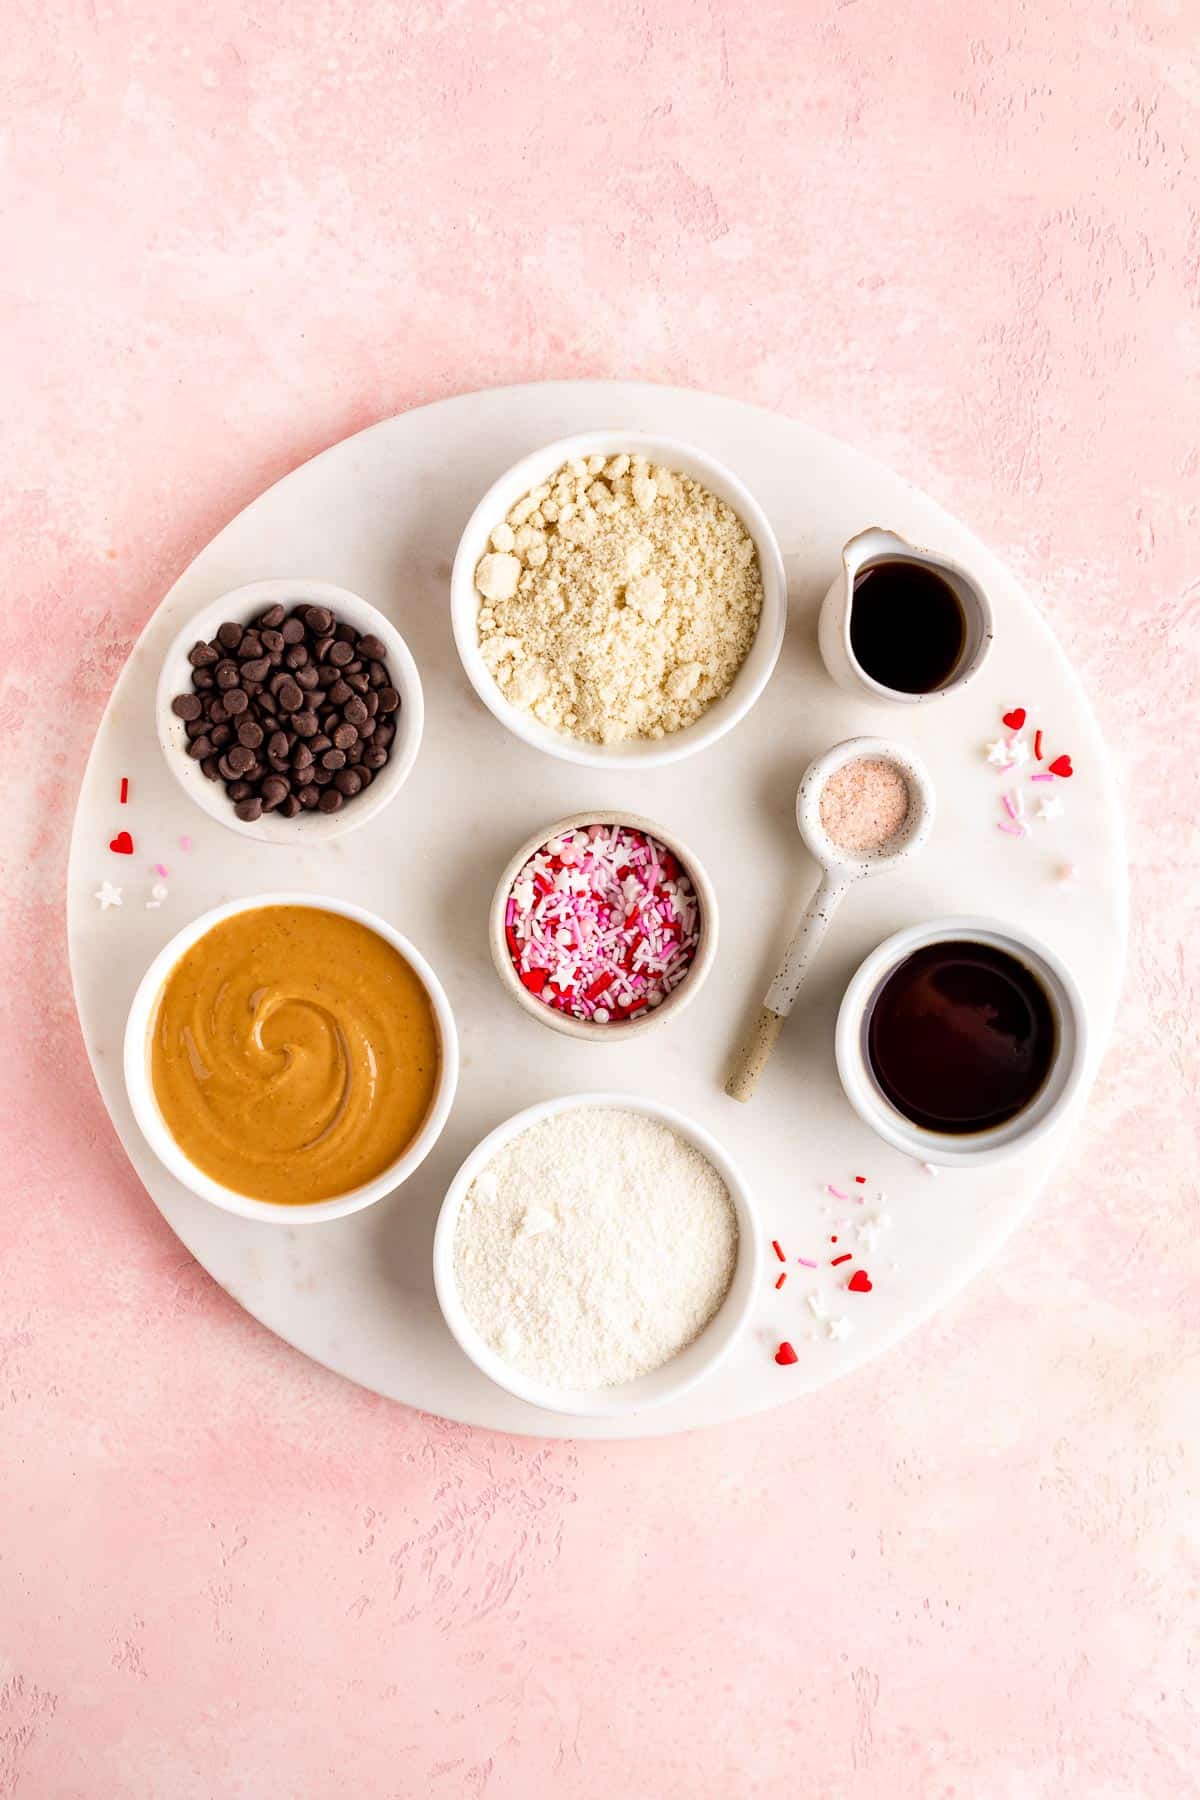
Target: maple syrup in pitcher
960, 1036
907, 627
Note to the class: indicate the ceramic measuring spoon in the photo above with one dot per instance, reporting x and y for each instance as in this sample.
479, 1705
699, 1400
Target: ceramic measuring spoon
840, 869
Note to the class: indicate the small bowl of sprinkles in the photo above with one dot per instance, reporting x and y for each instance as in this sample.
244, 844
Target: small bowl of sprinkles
603, 924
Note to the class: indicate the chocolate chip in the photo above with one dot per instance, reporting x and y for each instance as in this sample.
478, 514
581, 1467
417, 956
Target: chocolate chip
273, 618
322, 777
274, 789
340, 653
320, 743
273, 642
368, 727
334, 759
295, 656
250, 647
377, 675
383, 734
319, 620
201, 747
301, 757
308, 797
292, 630
352, 668
339, 693
307, 678
249, 810
211, 767
236, 702
356, 712
375, 759
346, 632
372, 647
344, 736
250, 733
202, 655
321, 648
266, 704
277, 744
230, 634
257, 669
239, 758
331, 801
202, 679
304, 724
389, 699
358, 682
289, 696
348, 782
371, 702
290, 807
186, 706
221, 735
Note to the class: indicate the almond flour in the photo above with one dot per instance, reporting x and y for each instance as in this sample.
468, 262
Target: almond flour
619, 600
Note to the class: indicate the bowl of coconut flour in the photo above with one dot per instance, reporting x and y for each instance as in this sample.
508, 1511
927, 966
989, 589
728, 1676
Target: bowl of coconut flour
618, 598
596, 1255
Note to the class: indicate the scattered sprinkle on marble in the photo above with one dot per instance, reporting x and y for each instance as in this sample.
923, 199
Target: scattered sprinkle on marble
185, 843
123, 795
107, 895
1050, 808
839, 1329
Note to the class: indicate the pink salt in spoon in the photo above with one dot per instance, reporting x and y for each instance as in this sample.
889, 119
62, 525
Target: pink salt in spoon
868, 829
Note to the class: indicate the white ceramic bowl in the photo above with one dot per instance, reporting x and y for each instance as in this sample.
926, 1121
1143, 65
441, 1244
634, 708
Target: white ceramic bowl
140, 1088
675, 1001
955, 1149
243, 604
754, 673
673, 1378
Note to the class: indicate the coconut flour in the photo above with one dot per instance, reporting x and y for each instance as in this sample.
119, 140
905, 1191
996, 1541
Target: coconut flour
594, 1247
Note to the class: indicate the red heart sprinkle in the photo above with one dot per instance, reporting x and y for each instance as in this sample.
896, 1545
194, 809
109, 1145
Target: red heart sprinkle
122, 844
1015, 719
1061, 766
785, 1355
860, 1282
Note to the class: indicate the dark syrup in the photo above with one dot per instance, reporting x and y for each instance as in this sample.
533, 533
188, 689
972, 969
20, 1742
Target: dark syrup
906, 625
960, 1037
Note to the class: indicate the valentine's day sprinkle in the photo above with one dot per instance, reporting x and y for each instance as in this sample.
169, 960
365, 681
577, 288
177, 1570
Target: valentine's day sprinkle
1015, 719
1061, 766
160, 870
997, 752
594, 1247
158, 894
124, 795
779, 1283
1049, 808
861, 1180
805, 1262
185, 843
785, 1355
864, 804
1043, 777
601, 923
859, 1282
844, 1257
1037, 745
839, 1330
122, 844
836, 1192
107, 895
618, 600
777, 1250
1012, 830
294, 711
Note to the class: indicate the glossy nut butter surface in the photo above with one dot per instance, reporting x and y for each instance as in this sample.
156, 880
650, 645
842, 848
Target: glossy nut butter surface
294, 1054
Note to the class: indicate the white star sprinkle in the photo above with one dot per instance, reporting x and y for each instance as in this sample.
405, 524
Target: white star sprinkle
1050, 808
839, 1329
868, 1233
817, 1306
997, 753
107, 895
1018, 750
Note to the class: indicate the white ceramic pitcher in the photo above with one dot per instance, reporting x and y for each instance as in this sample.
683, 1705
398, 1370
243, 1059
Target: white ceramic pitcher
833, 632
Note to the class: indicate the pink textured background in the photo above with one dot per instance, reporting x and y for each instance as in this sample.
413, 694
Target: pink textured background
967, 237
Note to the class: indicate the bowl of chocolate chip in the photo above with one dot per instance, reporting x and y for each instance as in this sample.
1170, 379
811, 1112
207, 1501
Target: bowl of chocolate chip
290, 708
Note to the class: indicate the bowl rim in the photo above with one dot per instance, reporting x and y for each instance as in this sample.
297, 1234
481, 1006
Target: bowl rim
210, 796
1060, 1089
747, 686
631, 1396
154, 1129
676, 1000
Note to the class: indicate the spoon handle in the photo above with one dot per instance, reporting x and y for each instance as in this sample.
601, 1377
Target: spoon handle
754, 1053
809, 934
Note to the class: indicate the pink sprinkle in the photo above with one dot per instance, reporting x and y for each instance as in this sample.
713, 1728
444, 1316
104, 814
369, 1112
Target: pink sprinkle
1012, 830
805, 1263
1005, 767
1044, 776
160, 870
1009, 808
836, 1192
185, 843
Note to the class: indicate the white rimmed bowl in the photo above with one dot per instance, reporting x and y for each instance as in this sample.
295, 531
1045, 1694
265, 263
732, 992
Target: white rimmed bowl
683, 1371
676, 1000
961, 1150
140, 1087
751, 678
243, 604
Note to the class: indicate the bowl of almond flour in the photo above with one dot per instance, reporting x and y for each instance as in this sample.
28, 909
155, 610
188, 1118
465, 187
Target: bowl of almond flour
597, 1254
618, 598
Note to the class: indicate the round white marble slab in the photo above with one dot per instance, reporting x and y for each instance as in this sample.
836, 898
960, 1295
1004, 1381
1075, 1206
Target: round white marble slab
381, 514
